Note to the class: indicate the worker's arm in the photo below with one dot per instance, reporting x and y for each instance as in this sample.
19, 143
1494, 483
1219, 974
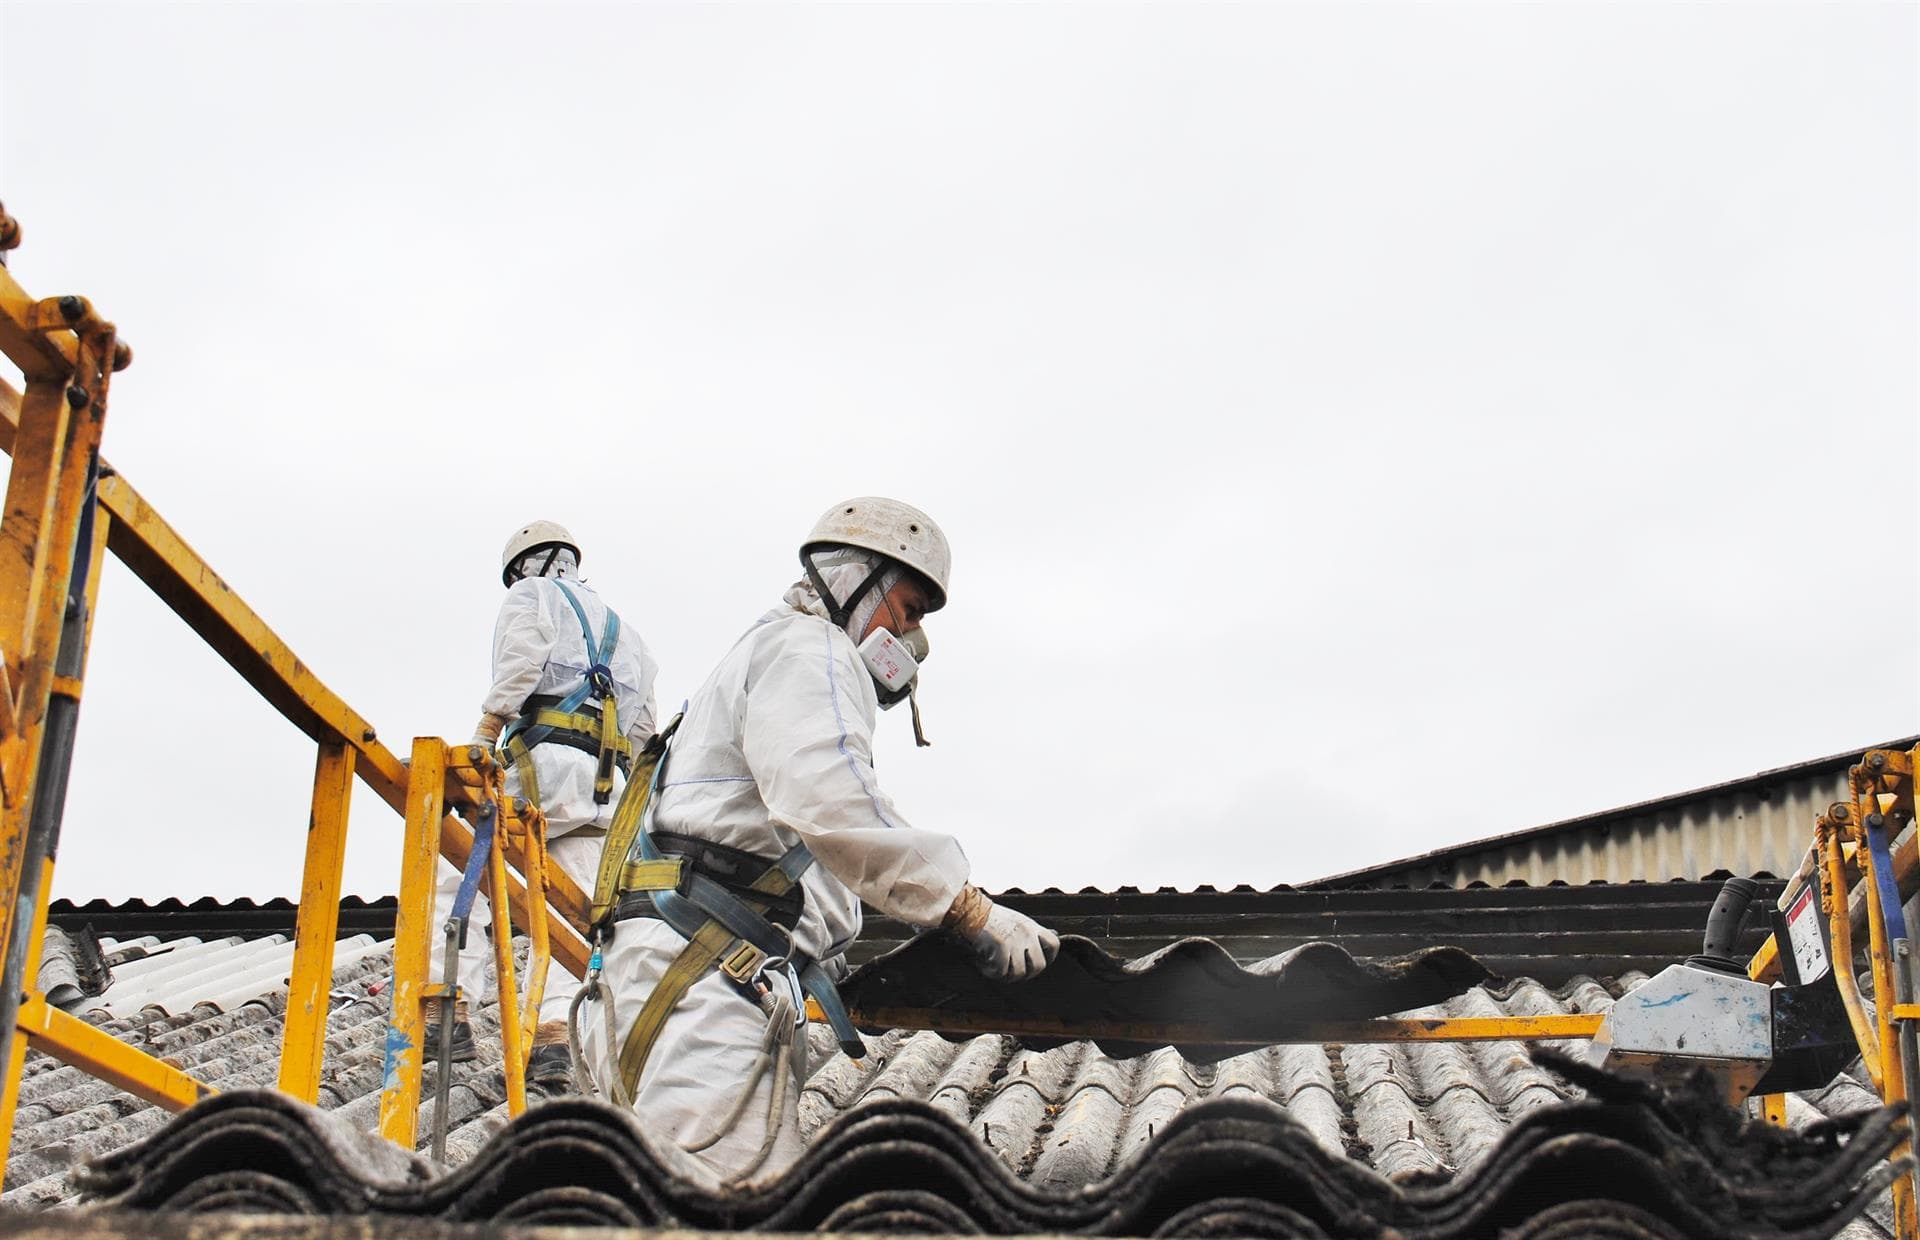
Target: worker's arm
809, 744
646, 721
523, 638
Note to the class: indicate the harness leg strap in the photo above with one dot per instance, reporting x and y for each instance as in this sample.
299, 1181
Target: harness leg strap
693, 963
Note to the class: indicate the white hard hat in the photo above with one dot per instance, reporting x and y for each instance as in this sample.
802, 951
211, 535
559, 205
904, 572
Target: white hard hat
533, 537
898, 531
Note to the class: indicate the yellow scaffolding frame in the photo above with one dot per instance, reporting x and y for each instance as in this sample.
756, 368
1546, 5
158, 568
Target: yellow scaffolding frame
65, 508
1865, 864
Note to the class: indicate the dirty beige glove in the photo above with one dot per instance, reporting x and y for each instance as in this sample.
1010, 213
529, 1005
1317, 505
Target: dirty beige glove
487, 731
1009, 945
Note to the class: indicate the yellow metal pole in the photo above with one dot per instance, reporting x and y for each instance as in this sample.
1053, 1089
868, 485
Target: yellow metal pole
31, 607
1892, 1080
539, 952
512, 1045
303, 1046
17, 1047
1833, 901
1359, 1030
45, 535
412, 935
101, 1055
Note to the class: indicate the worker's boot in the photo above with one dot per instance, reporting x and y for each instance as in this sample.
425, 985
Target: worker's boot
550, 1070
463, 1051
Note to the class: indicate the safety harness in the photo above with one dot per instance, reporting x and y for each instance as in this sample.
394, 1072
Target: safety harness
571, 720
743, 929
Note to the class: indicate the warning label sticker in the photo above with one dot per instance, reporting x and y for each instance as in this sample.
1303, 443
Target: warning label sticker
1803, 927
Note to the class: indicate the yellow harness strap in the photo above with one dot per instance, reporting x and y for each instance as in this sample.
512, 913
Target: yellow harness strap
611, 745
627, 817
522, 759
711, 944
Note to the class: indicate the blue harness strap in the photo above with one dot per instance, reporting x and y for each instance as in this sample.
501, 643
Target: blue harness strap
476, 865
598, 681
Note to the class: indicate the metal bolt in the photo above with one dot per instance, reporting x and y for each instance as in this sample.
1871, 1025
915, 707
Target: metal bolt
71, 308
122, 355
475, 753
1876, 760
77, 397
1876, 821
366, 737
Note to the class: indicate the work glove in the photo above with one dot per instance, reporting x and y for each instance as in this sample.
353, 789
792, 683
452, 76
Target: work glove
487, 731
1008, 944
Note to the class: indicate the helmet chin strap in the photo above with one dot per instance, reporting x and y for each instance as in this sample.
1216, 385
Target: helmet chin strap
522, 571
840, 612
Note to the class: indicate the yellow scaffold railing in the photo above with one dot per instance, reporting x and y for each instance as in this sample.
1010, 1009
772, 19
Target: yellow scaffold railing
1861, 869
65, 509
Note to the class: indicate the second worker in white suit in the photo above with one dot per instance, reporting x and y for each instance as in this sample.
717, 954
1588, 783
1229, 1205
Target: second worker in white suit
571, 700
768, 792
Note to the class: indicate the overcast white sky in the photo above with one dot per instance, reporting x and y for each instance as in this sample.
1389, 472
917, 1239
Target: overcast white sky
1360, 429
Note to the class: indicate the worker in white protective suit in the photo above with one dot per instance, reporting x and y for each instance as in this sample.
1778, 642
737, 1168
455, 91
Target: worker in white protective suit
776, 751
571, 701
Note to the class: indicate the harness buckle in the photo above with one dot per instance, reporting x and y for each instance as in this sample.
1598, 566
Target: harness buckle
744, 963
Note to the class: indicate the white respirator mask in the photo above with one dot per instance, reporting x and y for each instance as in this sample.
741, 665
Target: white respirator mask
894, 663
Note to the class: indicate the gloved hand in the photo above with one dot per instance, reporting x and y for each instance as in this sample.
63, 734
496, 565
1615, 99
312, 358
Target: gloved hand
487, 731
1009, 945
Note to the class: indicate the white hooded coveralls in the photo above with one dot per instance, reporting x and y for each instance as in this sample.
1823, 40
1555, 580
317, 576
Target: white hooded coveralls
538, 649
776, 749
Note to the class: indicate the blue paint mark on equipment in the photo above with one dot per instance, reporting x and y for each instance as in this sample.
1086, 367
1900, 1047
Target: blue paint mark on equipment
1670, 1000
398, 1044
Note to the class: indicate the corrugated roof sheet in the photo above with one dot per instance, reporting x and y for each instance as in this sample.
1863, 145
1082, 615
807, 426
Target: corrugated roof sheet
1758, 824
1626, 1161
1194, 981
1052, 1118
1546, 931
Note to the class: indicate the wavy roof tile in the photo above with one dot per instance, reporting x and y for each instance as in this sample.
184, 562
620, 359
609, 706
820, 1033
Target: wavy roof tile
1054, 1120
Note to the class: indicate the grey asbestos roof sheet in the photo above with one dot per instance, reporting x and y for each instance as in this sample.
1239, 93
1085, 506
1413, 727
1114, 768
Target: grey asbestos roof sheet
1628, 1160
1055, 1120
1192, 981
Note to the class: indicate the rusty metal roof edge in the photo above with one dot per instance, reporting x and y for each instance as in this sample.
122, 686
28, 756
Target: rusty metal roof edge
1838, 761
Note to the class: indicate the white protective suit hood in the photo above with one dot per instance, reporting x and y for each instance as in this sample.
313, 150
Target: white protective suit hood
535, 564
844, 571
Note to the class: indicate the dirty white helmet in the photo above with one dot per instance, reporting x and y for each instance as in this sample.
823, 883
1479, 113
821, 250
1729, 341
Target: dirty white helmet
898, 531
534, 537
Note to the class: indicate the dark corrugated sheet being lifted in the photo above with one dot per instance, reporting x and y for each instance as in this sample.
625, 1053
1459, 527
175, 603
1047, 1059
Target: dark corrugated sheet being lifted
1193, 981
1628, 1161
